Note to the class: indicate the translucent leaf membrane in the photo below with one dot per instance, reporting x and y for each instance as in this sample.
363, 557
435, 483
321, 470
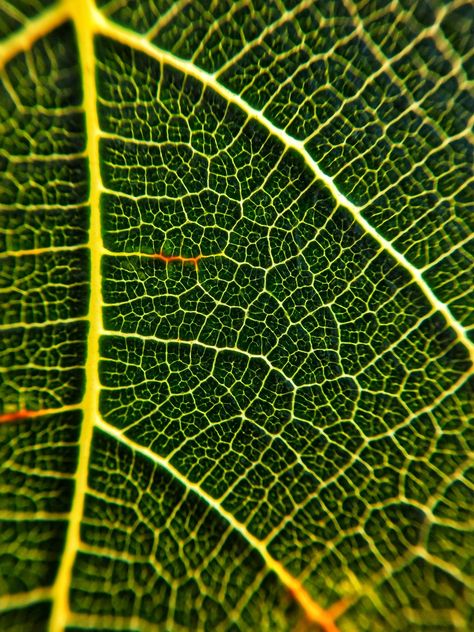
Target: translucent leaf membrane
235, 355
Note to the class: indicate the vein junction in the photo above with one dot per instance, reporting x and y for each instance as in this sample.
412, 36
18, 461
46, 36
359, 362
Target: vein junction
283, 377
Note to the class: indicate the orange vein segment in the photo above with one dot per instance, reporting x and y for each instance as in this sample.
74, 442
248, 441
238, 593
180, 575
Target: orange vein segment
313, 612
19, 415
170, 258
23, 413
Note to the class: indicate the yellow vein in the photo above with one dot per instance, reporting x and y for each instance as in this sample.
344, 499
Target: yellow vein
250, 45
23, 516
203, 345
24, 39
41, 251
19, 324
83, 18
52, 18
24, 599
387, 63
127, 38
314, 612
88, 20
166, 17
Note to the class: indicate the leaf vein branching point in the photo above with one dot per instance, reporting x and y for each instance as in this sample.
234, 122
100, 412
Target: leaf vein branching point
89, 21
23, 39
313, 612
50, 19
134, 41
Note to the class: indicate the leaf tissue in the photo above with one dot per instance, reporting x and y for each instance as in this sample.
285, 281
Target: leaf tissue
236, 336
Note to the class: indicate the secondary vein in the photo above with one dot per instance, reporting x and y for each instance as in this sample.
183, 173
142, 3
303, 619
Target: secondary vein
132, 40
313, 611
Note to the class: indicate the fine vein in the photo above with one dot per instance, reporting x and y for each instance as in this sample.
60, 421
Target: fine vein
130, 39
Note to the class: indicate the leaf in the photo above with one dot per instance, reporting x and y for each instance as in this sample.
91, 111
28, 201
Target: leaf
236, 350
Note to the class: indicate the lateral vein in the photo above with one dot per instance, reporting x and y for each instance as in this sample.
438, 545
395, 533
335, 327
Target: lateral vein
313, 612
132, 40
23, 39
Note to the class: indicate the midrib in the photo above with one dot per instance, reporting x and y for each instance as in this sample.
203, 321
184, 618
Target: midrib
81, 13
88, 21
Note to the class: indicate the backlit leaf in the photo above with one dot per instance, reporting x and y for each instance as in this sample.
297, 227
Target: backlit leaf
236, 341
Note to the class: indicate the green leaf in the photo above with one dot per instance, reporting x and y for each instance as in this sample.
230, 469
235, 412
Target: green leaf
236, 341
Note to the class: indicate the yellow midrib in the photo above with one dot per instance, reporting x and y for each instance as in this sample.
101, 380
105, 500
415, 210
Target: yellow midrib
87, 22
81, 13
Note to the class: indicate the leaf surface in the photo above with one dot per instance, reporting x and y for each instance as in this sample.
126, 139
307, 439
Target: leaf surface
236, 342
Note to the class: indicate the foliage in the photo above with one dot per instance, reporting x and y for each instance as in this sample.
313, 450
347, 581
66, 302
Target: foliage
236, 342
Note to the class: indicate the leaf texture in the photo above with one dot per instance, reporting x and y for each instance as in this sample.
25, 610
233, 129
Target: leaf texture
236, 342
